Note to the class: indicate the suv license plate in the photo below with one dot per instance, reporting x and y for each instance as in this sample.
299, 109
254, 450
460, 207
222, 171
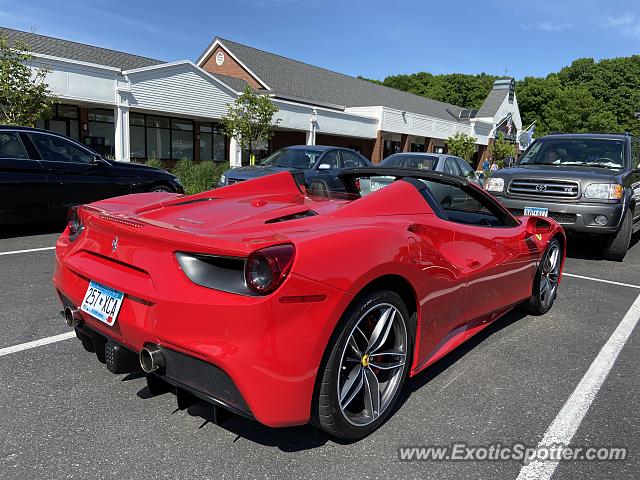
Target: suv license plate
540, 212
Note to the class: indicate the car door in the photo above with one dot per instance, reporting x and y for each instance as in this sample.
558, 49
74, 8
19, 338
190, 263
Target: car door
327, 167
76, 175
491, 249
24, 187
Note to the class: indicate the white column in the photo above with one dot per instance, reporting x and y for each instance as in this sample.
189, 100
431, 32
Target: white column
311, 133
122, 140
235, 159
310, 137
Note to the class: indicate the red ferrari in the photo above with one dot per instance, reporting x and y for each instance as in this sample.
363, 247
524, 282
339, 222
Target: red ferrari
289, 308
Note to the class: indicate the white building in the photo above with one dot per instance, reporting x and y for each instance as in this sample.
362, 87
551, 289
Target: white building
134, 107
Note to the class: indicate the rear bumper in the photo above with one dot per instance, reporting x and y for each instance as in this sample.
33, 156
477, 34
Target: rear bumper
263, 354
574, 217
201, 379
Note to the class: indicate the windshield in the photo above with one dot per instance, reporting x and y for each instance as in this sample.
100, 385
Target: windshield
419, 162
289, 157
590, 152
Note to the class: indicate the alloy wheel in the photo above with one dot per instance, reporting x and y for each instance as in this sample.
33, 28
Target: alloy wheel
549, 275
372, 364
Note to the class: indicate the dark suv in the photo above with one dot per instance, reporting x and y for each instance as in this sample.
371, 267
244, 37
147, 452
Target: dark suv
589, 183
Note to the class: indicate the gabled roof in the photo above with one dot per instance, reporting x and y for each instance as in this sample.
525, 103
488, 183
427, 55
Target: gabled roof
495, 98
57, 47
294, 79
236, 83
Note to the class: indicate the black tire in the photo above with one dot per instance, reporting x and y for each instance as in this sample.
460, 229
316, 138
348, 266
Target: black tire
541, 300
327, 413
617, 244
160, 188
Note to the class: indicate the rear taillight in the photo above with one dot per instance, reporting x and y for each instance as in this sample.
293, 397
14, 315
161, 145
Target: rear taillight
74, 223
266, 269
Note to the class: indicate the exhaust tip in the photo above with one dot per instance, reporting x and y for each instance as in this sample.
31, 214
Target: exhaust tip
151, 358
72, 316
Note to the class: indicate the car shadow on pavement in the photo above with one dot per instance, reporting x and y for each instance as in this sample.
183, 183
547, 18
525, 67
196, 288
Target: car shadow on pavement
13, 231
591, 249
305, 437
287, 439
440, 366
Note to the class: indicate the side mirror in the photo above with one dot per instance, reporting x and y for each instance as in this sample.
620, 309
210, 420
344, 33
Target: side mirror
98, 160
324, 166
537, 226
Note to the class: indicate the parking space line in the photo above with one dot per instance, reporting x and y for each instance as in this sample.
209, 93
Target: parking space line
36, 343
27, 250
601, 280
566, 423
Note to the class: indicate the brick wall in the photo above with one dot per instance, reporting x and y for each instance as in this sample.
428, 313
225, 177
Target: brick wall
229, 67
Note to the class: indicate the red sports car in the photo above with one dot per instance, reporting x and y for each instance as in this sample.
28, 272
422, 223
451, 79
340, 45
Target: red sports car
289, 308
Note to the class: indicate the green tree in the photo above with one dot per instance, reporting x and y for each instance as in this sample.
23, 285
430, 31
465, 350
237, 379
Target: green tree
24, 95
250, 120
576, 110
501, 149
462, 145
586, 96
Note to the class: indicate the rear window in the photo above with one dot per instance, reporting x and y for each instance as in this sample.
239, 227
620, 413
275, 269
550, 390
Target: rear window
418, 162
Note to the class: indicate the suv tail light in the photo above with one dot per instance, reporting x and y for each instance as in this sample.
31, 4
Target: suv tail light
266, 269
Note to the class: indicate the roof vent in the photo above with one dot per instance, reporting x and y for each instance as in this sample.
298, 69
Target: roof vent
293, 216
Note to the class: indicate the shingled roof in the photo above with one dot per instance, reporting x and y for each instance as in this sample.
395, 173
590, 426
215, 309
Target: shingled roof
57, 47
291, 78
495, 98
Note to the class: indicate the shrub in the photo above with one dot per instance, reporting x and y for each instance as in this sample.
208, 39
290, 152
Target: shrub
198, 177
154, 162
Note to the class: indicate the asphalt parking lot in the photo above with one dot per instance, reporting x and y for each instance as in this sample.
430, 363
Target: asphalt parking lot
65, 416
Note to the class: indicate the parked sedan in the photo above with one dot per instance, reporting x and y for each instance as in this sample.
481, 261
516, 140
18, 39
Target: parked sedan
320, 165
436, 162
42, 174
288, 308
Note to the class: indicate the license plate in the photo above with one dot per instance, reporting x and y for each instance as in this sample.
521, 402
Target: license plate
102, 303
541, 212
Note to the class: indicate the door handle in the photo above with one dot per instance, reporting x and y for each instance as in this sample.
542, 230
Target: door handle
474, 263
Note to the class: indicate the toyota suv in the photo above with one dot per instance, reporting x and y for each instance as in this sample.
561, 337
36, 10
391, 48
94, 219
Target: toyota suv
589, 183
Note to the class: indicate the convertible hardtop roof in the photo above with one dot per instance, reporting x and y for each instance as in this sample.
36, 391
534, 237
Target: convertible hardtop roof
403, 173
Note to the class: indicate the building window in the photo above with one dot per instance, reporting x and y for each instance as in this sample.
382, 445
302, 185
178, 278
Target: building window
64, 120
181, 139
212, 143
164, 138
158, 137
101, 132
137, 136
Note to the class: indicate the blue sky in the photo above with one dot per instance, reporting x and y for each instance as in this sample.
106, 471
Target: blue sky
357, 37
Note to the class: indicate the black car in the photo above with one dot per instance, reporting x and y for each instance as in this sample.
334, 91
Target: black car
320, 165
589, 183
42, 174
